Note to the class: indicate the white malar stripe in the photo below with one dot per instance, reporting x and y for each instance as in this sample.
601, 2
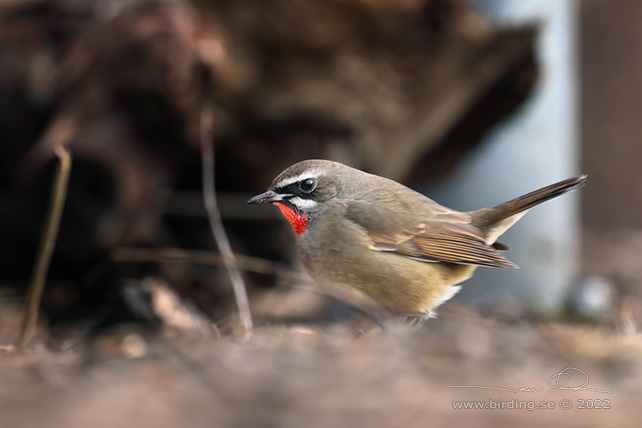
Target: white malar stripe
303, 204
297, 178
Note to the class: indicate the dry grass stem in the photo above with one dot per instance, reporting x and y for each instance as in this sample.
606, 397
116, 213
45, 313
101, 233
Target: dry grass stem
47, 245
214, 218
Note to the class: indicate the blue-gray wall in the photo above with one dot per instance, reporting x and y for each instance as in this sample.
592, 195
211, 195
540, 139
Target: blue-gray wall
534, 148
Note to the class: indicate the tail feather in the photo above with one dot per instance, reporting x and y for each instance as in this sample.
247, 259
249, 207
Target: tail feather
489, 220
536, 197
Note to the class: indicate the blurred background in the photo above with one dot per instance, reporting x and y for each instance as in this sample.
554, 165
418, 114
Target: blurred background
472, 102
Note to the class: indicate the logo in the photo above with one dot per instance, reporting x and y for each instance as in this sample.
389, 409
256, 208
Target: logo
569, 379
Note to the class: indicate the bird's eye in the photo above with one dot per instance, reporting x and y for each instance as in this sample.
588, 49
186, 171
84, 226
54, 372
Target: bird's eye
307, 185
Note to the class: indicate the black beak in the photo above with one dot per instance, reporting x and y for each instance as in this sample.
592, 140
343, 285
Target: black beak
267, 197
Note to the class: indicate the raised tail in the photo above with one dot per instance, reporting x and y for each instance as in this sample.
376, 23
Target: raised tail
496, 220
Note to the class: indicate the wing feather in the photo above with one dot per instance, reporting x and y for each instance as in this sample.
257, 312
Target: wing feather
429, 240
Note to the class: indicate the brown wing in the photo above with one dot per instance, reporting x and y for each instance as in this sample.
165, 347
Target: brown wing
434, 240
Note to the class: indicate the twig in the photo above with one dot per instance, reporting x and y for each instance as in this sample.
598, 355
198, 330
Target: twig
626, 314
177, 255
254, 264
45, 251
214, 217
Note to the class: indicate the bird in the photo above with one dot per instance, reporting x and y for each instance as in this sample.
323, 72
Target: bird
398, 248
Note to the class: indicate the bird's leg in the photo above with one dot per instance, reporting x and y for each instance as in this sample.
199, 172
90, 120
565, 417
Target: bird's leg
417, 321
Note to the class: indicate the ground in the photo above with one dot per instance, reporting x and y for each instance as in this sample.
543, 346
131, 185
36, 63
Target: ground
333, 375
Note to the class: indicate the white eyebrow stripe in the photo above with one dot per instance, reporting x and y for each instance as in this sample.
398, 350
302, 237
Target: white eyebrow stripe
297, 178
303, 204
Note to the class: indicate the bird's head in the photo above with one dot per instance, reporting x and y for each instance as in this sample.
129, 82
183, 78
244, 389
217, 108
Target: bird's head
304, 190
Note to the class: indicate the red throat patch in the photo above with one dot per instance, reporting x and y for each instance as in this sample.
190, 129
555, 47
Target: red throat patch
298, 221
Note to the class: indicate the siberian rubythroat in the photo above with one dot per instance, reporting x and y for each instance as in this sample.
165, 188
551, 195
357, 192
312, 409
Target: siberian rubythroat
388, 242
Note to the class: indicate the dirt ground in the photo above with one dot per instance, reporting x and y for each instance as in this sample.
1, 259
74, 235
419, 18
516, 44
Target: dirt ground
335, 375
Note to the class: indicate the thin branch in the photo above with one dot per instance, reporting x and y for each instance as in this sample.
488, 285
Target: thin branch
301, 281
214, 217
209, 258
47, 245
